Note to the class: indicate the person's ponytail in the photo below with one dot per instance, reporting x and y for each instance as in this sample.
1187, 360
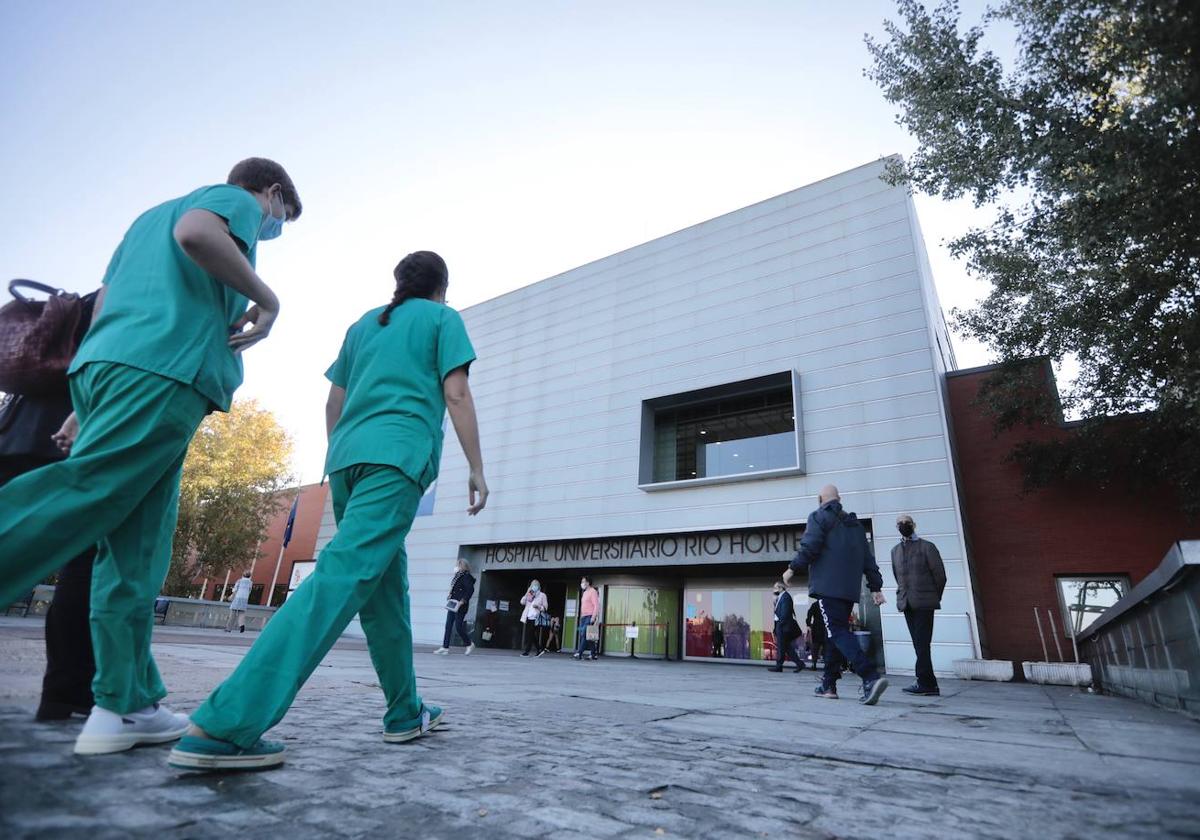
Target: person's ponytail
422, 274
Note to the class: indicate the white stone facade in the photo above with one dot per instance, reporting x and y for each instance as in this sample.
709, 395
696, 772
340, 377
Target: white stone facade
829, 280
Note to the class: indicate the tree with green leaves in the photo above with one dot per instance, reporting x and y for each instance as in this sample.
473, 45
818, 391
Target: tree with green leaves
1088, 148
236, 468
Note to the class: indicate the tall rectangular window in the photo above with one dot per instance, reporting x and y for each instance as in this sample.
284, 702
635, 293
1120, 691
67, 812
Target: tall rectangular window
737, 430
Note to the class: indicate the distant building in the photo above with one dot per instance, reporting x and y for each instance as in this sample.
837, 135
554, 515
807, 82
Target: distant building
1071, 548
270, 569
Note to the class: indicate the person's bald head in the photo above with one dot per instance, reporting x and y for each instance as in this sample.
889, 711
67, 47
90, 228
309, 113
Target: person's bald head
828, 493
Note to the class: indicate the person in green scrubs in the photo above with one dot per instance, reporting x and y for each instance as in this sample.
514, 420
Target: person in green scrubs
401, 367
162, 352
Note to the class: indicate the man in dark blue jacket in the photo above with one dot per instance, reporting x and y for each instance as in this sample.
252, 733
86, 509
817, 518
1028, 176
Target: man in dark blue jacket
787, 630
835, 551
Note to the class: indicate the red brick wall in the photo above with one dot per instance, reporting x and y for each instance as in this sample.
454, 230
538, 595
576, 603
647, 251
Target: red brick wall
1019, 542
302, 547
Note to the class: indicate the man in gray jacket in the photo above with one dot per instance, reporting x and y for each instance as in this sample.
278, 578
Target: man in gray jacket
835, 550
920, 581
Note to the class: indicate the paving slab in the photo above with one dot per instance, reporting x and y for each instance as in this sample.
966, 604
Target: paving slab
551, 747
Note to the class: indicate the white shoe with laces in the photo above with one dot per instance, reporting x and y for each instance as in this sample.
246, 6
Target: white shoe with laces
109, 732
442, 651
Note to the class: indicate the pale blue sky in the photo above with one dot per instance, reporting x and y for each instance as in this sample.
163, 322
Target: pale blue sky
518, 139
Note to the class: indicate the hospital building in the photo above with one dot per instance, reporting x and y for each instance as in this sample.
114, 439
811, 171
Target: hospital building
662, 419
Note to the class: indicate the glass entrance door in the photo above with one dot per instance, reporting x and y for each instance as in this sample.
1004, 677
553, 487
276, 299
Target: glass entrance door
654, 610
570, 622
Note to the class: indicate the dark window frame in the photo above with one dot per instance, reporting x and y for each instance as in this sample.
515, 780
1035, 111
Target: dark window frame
652, 408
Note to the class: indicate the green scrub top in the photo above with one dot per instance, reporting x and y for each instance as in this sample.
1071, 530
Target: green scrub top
162, 313
393, 379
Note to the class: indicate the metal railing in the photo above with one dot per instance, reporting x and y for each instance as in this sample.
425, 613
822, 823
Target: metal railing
1147, 645
632, 640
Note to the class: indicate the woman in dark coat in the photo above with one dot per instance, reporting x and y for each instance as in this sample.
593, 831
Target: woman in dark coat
461, 590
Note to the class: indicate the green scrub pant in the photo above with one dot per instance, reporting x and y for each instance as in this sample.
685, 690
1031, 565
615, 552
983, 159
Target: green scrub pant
363, 570
119, 488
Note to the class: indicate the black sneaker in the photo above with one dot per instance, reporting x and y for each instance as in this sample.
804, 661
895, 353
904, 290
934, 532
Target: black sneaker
526, 653
57, 710
542, 652
577, 656
921, 691
828, 692
775, 670
872, 690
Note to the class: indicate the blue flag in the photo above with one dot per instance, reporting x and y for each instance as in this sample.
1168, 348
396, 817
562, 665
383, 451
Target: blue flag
287, 531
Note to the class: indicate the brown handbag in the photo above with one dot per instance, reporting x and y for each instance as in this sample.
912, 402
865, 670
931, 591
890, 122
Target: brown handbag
37, 339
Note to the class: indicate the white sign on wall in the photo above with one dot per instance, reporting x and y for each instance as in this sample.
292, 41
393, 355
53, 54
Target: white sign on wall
301, 569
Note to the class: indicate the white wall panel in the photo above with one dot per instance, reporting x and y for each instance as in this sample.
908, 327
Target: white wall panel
828, 280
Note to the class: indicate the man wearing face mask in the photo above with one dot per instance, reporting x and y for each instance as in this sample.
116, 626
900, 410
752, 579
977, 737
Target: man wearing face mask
589, 614
787, 630
920, 581
162, 352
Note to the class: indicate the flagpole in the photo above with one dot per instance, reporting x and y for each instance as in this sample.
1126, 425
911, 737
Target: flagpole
274, 577
284, 539
254, 562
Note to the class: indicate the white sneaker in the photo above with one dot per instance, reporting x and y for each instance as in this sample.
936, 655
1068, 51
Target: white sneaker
108, 732
442, 651
470, 648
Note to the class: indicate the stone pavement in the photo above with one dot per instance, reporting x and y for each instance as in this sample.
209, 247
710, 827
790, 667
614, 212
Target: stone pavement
550, 747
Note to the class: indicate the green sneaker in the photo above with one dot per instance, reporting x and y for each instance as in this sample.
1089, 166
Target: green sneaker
430, 718
193, 753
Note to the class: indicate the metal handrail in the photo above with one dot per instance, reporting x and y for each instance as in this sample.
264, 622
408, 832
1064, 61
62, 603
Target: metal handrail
666, 628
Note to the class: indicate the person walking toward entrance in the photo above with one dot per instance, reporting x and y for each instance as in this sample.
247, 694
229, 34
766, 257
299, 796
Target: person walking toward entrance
787, 630
816, 629
401, 367
162, 352
589, 615
462, 587
238, 604
920, 582
834, 549
532, 618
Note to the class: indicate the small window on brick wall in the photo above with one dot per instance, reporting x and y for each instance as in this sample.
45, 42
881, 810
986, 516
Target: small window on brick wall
1084, 598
